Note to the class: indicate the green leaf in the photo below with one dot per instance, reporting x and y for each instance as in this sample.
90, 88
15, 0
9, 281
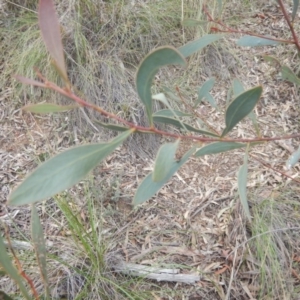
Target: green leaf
164, 161
149, 188
149, 67
240, 107
289, 75
254, 41
62, 171
111, 126
293, 159
271, 60
194, 46
192, 22
218, 148
5, 262
4, 296
40, 247
171, 113
50, 29
171, 94
203, 92
45, 108
211, 100
167, 120
295, 8
238, 89
242, 186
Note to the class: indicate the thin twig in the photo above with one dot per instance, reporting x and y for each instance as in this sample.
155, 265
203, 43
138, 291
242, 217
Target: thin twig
19, 266
232, 30
285, 14
194, 111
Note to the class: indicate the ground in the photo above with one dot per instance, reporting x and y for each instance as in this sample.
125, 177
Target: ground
196, 222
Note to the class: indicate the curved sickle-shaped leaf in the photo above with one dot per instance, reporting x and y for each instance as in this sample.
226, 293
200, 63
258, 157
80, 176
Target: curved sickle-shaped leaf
194, 46
293, 159
111, 126
50, 29
240, 107
164, 161
204, 90
289, 75
238, 88
171, 113
242, 186
149, 188
148, 68
39, 246
62, 171
218, 148
5, 262
45, 108
295, 8
167, 120
254, 41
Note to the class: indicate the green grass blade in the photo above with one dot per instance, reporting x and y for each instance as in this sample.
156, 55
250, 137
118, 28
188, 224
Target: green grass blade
240, 107
149, 188
149, 67
242, 186
164, 161
5, 262
254, 41
45, 108
40, 247
194, 46
62, 171
218, 148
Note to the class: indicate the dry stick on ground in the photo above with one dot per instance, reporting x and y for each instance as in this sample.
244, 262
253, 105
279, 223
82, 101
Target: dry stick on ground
171, 275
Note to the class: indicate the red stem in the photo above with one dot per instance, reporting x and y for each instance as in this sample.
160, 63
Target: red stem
232, 30
287, 18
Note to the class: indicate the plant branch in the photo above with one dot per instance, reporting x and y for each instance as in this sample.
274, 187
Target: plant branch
19, 266
270, 167
194, 111
232, 30
288, 20
68, 93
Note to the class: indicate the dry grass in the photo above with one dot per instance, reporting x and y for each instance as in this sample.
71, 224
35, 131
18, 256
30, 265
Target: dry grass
195, 223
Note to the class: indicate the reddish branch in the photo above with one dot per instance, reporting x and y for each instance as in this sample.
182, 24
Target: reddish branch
288, 20
66, 92
19, 267
228, 29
